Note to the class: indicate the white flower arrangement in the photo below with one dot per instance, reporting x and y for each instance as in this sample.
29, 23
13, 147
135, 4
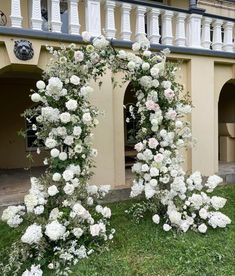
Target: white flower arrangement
60, 205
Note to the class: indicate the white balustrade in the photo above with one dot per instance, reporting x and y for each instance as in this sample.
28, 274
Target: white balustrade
16, 18
206, 32
193, 30
36, 18
167, 36
180, 38
217, 35
177, 28
125, 22
140, 22
93, 17
55, 16
153, 26
74, 26
110, 29
228, 36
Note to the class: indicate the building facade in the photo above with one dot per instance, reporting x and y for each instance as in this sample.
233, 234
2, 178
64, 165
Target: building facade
200, 35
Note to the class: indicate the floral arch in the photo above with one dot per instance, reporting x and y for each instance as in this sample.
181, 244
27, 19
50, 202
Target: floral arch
64, 222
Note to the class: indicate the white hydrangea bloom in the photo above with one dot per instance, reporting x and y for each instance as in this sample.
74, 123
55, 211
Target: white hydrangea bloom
55, 230
33, 234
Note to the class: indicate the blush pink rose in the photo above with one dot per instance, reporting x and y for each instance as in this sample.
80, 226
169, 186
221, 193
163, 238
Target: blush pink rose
151, 105
153, 143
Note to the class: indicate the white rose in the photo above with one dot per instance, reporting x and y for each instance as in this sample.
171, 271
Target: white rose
156, 218
166, 227
63, 156
50, 143
144, 168
202, 228
95, 230
65, 117
30, 201
35, 97
179, 124
74, 80
90, 201
136, 46
139, 146
99, 208
77, 232
56, 177
154, 172
77, 130
55, 230
39, 210
145, 66
106, 212
86, 36
68, 189
86, 118
203, 213
55, 153
147, 53
33, 234
153, 182
68, 175
131, 65
69, 140
40, 85
78, 56
71, 104
52, 190
154, 71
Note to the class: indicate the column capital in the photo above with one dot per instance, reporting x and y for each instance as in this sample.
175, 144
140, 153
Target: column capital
217, 22
126, 6
206, 20
110, 4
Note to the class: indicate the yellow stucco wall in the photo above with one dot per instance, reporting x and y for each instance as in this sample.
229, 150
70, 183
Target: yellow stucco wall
203, 76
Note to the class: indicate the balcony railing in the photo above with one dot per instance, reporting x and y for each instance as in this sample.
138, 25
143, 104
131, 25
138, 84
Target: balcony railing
128, 21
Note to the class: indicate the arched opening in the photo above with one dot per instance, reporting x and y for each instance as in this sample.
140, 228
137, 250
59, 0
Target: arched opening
130, 130
226, 118
15, 167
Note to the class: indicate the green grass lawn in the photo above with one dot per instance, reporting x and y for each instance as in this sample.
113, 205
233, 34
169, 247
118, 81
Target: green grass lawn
145, 249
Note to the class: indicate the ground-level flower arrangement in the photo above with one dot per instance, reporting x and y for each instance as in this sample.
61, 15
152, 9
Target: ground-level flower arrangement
65, 223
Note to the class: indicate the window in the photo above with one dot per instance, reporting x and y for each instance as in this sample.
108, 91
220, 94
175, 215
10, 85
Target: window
31, 137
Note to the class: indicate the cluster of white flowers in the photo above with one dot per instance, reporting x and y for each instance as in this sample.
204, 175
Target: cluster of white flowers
12, 215
164, 130
34, 271
60, 204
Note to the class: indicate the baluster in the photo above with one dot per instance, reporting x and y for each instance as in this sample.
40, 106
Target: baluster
125, 22
93, 19
167, 37
228, 36
217, 35
140, 22
206, 32
36, 19
153, 26
180, 38
55, 16
74, 26
193, 34
16, 18
110, 30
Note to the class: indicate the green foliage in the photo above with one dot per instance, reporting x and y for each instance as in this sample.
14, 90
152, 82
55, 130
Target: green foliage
144, 249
